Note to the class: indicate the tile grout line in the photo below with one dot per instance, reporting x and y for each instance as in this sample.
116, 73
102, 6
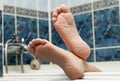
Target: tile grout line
38, 30
93, 32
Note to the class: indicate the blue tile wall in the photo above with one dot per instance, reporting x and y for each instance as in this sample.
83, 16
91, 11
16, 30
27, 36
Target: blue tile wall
1, 62
56, 39
1, 59
107, 27
106, 30
27, 28
9, 30
107, 34
84, 27
91, 57
43, 28
26, 58
43, 33
9, 27
0, 26
111, 54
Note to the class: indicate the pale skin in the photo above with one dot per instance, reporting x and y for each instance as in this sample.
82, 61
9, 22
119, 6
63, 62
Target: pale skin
65, 26
72, 62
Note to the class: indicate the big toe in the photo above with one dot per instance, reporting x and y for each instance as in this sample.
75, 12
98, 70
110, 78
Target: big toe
65, 8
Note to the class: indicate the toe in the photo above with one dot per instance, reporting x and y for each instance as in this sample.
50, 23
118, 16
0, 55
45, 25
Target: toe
54, 19
55, 14
36, 42
65, 8
31, 50
31, 44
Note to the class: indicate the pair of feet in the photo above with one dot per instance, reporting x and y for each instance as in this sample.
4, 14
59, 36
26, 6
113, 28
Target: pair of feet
72, 62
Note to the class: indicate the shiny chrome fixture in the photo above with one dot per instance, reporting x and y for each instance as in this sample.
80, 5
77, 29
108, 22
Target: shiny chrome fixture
15, 46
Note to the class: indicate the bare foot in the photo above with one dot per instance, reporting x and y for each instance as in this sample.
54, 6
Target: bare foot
70, 63
65, 26
73, 66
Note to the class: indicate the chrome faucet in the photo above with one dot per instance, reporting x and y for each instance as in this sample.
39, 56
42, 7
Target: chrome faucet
15, 46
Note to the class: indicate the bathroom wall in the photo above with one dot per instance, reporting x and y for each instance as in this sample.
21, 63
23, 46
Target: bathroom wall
27, 22
98, 24
1, 56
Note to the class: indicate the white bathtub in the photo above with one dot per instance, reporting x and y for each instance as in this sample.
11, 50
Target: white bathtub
108, 66
111, 72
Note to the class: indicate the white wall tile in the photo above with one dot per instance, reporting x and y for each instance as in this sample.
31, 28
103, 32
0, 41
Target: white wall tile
1, 4
29, 4
9, 2
42, 5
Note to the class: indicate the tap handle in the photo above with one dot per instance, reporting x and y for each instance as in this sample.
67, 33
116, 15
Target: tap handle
22, 40
15, 38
